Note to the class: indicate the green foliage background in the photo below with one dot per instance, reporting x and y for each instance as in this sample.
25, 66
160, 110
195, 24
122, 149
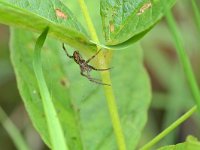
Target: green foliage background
82, 106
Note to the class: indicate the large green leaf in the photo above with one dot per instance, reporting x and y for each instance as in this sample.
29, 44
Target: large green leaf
37, 15
129, 20
80, 104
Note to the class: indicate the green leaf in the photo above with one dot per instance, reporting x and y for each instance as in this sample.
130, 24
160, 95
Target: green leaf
191, 143
81, 104
36, 15
125, 22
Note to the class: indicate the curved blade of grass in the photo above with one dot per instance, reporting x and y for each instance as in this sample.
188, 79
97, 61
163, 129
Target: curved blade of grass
169, 129
12, 130
54, 127
35, 15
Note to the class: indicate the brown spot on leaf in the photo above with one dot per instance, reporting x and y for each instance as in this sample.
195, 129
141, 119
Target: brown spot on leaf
60, 14
144, 8
64, 82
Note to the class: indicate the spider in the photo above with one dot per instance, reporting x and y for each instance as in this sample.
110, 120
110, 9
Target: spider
84, 66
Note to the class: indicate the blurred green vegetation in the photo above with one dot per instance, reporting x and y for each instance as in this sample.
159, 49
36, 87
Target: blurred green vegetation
10, 99
171, 95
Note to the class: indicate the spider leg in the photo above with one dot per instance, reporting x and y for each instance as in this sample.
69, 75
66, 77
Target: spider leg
87, 61
93, 80
89, 77
93, 68
63, 45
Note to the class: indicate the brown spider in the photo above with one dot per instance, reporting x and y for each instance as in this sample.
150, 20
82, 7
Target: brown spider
84, 66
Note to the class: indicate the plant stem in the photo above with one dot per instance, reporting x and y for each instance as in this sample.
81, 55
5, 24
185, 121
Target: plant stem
169, 129
183, 58
106, 79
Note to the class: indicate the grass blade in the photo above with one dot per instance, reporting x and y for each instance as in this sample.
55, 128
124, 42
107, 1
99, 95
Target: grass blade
183, 58
196, 14
169, 129
54, 126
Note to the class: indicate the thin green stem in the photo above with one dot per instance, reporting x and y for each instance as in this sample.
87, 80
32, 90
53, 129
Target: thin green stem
183, 58
106, 79
169, 129
13, 131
